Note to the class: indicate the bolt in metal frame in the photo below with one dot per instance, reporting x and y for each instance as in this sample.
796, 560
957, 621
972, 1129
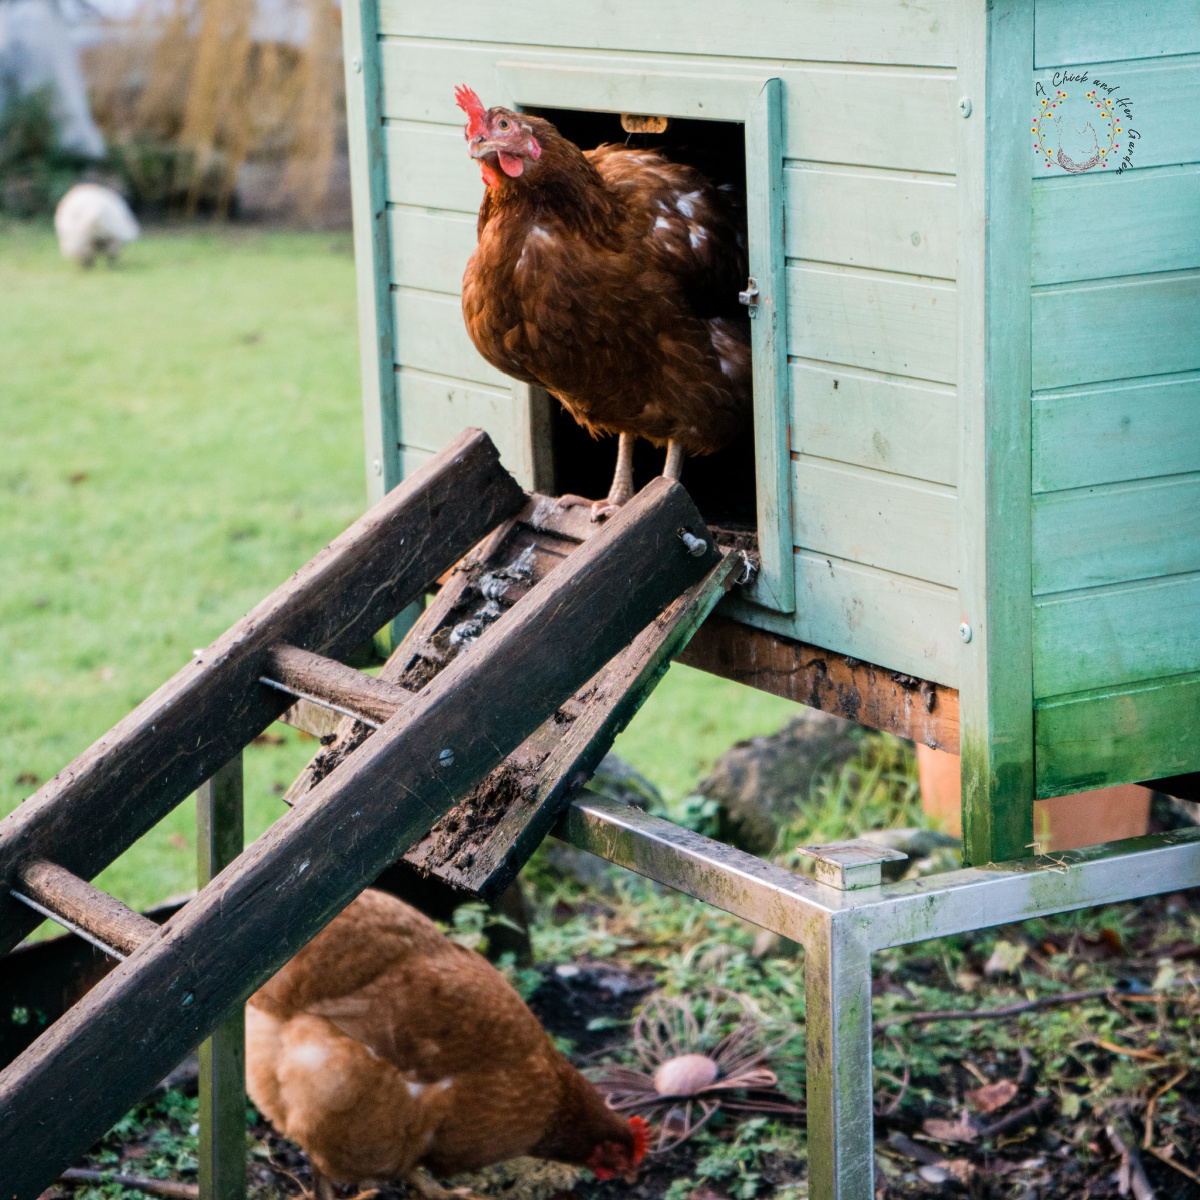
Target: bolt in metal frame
840, 930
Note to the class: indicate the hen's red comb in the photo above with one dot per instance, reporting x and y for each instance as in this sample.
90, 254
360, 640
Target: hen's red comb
640, 1128
470, 103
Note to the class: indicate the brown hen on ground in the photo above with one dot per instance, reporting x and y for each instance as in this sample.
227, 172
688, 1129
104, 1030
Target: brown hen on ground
388, 1051
611, 278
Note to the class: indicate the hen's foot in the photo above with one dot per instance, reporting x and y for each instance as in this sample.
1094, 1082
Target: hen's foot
570, 500
428, 1188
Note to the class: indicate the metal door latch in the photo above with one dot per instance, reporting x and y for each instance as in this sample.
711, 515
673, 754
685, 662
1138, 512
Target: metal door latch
750, 296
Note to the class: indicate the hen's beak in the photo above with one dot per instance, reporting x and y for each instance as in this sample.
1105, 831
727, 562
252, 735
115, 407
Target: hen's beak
478, 147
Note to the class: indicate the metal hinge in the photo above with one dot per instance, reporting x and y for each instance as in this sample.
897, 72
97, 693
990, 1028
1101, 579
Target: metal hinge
750, 296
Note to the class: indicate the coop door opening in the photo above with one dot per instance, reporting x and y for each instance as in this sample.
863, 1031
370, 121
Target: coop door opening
723, 484
730, 128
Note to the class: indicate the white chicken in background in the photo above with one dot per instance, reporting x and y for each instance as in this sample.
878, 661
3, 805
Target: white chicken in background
91, 220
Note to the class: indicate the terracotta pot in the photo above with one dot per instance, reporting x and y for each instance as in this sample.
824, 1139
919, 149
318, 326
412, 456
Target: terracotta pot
1105, 815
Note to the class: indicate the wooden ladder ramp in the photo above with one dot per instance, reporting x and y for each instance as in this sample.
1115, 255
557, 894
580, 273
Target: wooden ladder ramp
540, 644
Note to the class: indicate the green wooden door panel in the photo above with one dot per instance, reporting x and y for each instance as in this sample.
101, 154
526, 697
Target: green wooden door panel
435, 409
894, 323
1117, 329
1130, 430
871, 116
428, 167
1114, 636
1113, 533
1086, 31
1122, 736
863, 218
884, 31
884, 422
431, 336
878, 520
430, 249
1099, 226
1164, 98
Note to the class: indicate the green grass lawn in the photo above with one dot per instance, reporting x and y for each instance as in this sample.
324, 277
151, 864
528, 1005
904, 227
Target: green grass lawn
180, 434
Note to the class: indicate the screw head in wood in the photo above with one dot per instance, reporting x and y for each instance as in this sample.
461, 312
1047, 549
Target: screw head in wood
446, 758
377, 467
188, 997
356, 63
965, 632
695, 546
964, 106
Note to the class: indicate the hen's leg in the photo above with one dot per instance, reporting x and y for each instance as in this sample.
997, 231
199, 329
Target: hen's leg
424, 1184
622, 484
322, 1187
674, 464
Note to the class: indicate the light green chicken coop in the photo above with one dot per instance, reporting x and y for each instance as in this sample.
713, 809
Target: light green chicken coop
975, 233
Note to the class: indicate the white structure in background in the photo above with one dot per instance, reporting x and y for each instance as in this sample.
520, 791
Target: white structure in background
36, 49
91, 220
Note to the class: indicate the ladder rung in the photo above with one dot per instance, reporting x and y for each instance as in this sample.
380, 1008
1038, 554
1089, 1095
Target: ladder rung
332, 684
95, 915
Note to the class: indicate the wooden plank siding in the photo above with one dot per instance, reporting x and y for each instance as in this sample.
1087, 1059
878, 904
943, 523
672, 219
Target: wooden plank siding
1117, 635
1099, 226
1116, 533
869, 192
871, 116
1164, 97
871, 31
869, 419
899, 324
876, 519
1117, 736
1116, 410
1136, 28
1116, 329
1135, 429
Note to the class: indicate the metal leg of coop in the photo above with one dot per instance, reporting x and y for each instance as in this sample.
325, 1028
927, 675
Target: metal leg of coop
840, 928
222, 1150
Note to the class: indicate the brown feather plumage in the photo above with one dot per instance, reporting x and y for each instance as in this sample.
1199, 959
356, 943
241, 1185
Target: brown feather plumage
611, 278
384, 1046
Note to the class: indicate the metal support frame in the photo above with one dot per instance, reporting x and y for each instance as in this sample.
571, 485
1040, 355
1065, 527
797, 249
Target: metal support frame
222, 1116
840, 930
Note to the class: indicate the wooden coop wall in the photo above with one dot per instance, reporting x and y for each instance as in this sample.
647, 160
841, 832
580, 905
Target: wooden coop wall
1116, 406
869, 194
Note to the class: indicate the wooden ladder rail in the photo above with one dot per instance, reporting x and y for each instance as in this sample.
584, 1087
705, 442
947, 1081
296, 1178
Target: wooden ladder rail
172, 991
127, 781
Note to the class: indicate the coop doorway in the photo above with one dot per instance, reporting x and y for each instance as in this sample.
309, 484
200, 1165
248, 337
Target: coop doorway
723, 485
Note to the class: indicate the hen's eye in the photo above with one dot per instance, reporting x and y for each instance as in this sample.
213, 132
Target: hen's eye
503, 124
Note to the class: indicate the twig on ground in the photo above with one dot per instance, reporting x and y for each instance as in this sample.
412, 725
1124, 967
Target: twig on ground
983, 1014
167, 1188
1018, 1116
1148, 1140
893, 1106
1133, 1174
1166, 1158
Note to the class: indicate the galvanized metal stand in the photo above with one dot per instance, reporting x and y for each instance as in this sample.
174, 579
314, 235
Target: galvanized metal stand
222, 1116
840, 927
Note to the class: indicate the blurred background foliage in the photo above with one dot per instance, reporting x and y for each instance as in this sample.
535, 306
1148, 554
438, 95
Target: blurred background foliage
205, 106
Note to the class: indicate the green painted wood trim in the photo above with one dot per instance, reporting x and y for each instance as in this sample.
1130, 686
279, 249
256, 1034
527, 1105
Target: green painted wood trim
372, 251
1118, 736
994, 373
775, 585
